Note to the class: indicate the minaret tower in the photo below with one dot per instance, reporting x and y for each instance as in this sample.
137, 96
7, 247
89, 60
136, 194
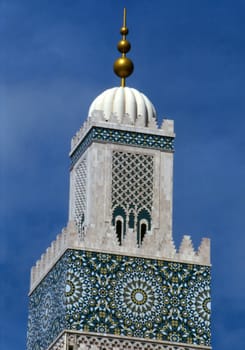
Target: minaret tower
113, 278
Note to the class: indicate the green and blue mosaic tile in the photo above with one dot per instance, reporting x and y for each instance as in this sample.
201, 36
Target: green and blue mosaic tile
121, 295
47, 308
131, 138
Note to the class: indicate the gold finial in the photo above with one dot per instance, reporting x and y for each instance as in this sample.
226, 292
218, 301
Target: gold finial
123, 66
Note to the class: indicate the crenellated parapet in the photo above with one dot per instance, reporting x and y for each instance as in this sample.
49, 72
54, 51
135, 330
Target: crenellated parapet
80, 133
151, 246
165, 130
108, 242
186, 251
68, 237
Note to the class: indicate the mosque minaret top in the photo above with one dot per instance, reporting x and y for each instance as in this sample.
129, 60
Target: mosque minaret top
123, 105
113, 278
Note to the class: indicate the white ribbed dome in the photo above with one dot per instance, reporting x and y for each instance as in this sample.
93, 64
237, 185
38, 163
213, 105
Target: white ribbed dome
123, 105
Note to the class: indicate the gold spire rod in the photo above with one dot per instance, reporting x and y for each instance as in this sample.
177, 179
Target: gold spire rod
123, 66
124, 16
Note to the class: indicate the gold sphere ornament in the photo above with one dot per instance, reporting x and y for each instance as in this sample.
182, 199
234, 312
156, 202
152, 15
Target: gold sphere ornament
124, 30
123, 46
123, 67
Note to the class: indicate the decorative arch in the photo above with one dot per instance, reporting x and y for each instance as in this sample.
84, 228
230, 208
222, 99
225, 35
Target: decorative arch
143, 225
143, 228
119, 225
119, 222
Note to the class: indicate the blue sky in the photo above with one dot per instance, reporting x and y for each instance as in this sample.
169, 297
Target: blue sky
56, 57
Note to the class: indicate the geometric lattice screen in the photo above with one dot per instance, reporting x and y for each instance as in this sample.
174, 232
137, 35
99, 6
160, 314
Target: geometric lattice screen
80, 193
121, 295
132, 181
132, 193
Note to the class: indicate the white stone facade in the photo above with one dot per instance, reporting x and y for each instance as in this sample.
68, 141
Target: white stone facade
98, 215
91, 194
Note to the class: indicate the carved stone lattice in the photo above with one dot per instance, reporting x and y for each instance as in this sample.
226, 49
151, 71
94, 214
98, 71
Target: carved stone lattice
87, 342
132, 181
80, 194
